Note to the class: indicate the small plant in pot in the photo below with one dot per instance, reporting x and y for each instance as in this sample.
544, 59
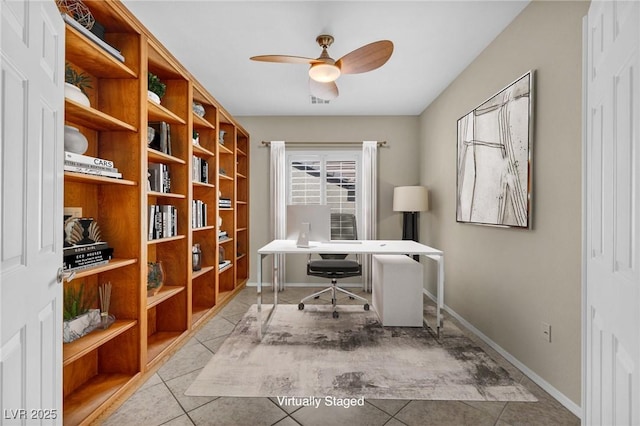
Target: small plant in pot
79, 318
76, 85
156, 88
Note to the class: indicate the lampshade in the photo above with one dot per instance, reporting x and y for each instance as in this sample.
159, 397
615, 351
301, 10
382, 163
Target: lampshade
410, 199
324, 73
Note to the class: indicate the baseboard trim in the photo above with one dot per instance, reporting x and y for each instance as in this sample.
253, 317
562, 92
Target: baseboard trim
551, 390
309, 285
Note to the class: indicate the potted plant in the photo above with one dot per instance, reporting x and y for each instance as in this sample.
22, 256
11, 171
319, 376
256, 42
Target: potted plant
79, 318
156, 88
76, 85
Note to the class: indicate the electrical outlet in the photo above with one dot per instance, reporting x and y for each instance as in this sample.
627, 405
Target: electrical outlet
546, 332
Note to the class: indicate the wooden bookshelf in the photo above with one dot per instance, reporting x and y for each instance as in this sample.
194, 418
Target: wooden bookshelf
105, 364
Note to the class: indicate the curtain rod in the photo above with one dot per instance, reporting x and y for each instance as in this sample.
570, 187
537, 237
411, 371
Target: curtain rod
268, 143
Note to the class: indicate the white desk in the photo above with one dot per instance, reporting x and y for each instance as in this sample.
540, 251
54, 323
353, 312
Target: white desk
359, 247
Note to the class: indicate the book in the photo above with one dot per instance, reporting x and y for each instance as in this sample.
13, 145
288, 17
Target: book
159, 177
91, 166
90, 171
163, 221
84, 248
223, 264
87, 258
85, 159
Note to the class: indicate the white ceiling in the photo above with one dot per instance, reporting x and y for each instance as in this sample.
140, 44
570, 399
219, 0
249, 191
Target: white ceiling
433, 42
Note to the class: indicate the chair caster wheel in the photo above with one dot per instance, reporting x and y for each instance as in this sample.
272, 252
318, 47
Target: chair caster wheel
335, 314
300, 306
317, 297
333, 301
366, 306
352, 298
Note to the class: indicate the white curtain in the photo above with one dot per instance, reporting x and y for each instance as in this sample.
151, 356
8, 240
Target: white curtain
278, 169
369, 204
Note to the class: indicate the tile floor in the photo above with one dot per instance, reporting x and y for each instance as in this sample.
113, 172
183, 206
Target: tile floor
161, 400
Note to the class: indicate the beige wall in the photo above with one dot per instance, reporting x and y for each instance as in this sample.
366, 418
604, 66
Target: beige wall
397, 165
506, 282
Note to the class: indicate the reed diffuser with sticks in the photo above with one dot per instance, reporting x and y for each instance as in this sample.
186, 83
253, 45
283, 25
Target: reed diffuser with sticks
105, 300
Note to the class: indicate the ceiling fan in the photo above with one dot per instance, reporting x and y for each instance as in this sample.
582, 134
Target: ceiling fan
324, 70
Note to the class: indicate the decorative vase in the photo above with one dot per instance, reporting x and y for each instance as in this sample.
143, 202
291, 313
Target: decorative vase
197, 257
74, 141
155, 278
153, 97
81, 325
75, 94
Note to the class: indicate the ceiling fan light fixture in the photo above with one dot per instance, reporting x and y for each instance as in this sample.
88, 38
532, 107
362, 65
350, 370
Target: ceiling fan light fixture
324, 73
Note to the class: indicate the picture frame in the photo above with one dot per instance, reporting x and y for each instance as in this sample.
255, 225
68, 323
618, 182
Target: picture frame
494, 158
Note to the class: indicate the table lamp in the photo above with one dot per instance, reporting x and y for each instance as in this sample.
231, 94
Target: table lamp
410, 200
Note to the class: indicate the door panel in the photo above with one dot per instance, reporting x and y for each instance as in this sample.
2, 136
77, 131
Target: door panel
612, 351
32, 68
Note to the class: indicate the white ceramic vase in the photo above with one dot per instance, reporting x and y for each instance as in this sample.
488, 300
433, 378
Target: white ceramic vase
74, 141
75, 94
153, 97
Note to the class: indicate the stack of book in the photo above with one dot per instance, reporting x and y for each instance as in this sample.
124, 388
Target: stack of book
222, 236
79, 257
199, 214
224, 203
163, 221
223, 264
159, 177
90, 165
200, 170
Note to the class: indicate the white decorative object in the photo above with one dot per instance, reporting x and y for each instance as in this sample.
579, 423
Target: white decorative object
80, 325
198, 109
153, 97
75, 94
74, 141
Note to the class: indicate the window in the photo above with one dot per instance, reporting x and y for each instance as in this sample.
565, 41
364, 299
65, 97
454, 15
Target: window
331, 177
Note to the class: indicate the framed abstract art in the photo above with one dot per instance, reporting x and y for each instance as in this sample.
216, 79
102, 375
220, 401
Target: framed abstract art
494, 158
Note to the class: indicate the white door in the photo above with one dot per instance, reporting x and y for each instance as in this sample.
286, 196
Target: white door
612, 206
32, 112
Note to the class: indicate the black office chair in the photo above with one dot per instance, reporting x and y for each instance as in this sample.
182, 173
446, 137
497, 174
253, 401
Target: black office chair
336, 266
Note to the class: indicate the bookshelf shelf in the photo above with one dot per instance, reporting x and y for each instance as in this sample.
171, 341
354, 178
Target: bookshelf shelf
160, 113
225, 150
165, 194
205, 270
225, 177
93, 118
95, 179
203, 185
201, 123
158, 156
78, 348
199, 150
113, 264
204, 228
165, 293
165, 240
98, 62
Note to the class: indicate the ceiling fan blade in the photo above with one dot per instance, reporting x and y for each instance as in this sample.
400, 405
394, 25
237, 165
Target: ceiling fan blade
326, 91
366, 58
285, 59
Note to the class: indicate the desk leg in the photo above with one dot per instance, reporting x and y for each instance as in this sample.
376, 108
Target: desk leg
262, 325
440, 292
440, 296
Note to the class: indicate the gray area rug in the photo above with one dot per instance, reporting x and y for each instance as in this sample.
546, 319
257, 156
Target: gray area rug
310, 354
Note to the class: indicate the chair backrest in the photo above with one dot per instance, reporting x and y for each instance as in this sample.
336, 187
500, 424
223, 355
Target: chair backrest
343, 227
